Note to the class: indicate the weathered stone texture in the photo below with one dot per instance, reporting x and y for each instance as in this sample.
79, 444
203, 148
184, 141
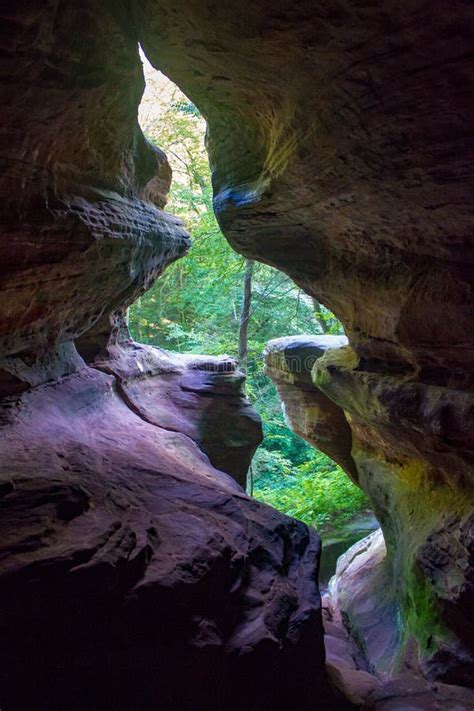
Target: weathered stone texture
409, 445
197, 395
340, 142
80, 235
133, 573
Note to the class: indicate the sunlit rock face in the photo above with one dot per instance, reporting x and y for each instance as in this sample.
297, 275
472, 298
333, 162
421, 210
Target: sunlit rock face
395, 438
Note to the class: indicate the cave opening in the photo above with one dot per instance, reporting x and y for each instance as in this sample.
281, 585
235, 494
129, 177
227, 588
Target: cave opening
134, 569
199, 306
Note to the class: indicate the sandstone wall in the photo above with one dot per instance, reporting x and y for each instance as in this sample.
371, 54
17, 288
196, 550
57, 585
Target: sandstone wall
413, 607
341, 144
134, 570
339, 136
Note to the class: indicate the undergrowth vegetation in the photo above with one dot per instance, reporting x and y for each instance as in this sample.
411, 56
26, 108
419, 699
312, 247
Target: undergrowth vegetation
317, 491
195, 307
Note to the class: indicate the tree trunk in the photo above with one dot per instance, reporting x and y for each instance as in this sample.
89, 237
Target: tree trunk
318, 316
138, 311
245, 314
250, 480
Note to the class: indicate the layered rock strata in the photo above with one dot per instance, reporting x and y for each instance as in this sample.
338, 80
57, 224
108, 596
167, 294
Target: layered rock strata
409, 445
83, 192
340, 142
133, 572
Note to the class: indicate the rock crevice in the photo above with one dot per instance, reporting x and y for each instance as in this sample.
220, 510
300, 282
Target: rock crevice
341, 153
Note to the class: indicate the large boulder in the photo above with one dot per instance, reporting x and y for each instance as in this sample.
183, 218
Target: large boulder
200, 396
133, 573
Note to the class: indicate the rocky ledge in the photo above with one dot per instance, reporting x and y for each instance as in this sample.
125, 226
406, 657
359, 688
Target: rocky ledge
407, 445
351, 612
132, 570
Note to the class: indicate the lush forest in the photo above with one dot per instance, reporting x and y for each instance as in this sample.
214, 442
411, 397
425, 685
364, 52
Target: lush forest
203, 303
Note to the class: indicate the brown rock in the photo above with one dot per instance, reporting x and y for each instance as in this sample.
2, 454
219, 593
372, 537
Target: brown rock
354, 684
133, 573
312, 415
80, 235
350, 168
340, 142
342, 154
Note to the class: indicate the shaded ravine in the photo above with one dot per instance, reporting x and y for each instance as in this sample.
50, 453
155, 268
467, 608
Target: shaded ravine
341, 154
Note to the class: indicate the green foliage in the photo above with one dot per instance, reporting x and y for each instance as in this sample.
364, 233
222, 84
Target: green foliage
317, 491
195, 307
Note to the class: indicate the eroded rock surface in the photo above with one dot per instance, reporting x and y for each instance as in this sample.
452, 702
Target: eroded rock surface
410, 445
312, 415
340, 139
339, 136
200, 396
340, 142
135, 574
84, 232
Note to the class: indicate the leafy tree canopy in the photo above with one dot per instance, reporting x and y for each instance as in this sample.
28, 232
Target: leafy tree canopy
195, 307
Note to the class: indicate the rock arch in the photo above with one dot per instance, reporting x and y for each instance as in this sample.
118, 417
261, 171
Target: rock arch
339, 135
